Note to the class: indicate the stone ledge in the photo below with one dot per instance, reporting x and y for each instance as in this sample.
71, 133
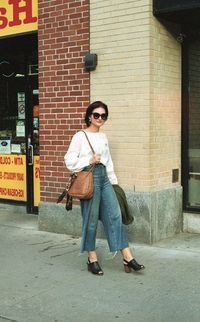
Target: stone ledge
191, 223
158, 215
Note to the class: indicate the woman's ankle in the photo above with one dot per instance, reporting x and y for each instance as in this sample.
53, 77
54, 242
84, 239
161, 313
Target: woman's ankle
92, 256
126, 254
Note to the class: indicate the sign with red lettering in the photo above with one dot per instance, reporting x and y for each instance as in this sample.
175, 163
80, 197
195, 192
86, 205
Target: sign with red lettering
36, 178
18, 16
13, 177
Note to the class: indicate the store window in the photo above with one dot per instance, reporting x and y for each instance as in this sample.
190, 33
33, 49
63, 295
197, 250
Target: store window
194, 125
19, 120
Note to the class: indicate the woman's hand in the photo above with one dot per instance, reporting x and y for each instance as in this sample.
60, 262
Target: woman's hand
96, 159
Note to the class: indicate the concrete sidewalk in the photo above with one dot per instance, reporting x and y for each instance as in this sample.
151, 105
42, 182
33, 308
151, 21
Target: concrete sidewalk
43, 278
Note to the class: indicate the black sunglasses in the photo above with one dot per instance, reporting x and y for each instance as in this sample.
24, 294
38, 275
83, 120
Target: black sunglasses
103, 116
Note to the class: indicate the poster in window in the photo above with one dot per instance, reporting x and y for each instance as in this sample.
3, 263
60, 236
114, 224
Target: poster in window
21, 105
20, 128
5, 145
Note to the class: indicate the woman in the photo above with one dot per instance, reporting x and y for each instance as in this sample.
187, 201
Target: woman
103, 205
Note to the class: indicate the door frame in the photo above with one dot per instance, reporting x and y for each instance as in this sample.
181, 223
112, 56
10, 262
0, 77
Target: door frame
31, 208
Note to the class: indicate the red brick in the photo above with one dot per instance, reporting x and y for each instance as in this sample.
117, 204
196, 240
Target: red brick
64, 85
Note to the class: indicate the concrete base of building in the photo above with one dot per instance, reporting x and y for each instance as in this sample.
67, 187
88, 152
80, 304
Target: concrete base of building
191, 223
157, 215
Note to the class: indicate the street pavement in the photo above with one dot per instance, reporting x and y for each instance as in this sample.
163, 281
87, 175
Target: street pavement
44, 279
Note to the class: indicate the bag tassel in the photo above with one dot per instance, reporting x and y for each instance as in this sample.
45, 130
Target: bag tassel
69, 202
64, 194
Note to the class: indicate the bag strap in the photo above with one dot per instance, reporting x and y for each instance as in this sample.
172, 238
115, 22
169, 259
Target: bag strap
89, 142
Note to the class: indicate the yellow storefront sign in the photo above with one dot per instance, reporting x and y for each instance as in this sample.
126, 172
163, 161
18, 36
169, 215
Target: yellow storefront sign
18, 16
13, 177
36, 176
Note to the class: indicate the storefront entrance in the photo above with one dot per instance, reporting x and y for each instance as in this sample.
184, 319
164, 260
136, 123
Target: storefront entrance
191, 121
19, 121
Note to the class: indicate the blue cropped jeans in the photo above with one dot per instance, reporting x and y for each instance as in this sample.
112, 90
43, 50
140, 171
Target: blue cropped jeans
102, 206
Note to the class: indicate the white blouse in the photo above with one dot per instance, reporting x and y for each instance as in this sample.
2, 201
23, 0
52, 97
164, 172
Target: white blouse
79, 153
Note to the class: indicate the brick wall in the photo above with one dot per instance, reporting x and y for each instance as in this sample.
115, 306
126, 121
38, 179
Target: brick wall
63, 85
165, 105
120, 35
139, 77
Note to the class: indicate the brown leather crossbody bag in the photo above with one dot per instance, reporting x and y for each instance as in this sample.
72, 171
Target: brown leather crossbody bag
80, 184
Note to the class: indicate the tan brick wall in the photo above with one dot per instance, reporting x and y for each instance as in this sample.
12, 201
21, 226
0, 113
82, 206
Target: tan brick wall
119, 34
165, 105
138, 76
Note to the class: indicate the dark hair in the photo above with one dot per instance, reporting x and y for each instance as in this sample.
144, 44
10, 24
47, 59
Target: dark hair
90, 109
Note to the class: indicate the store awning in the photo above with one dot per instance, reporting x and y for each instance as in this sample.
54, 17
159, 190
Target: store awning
178, 11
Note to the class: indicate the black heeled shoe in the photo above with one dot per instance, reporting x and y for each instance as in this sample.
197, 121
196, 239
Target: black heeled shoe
94, 268
132, 264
